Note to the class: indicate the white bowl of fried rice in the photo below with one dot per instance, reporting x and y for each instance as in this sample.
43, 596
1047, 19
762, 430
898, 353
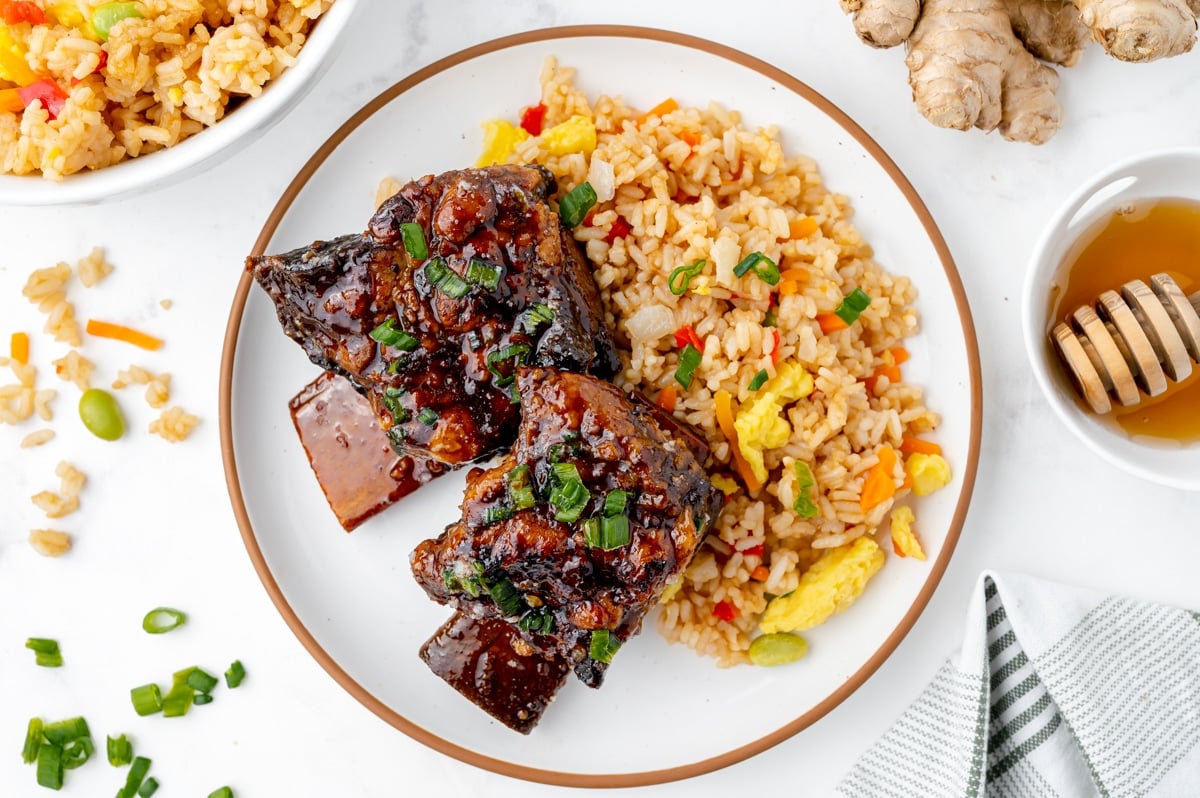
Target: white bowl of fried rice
99, 99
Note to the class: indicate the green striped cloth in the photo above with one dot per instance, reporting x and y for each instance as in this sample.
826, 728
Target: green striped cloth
1057, 691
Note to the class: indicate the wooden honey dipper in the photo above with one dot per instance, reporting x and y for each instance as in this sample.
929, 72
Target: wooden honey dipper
1128, 344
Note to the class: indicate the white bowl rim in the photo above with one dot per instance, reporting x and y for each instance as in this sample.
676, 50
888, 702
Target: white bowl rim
1037, 274
245, 124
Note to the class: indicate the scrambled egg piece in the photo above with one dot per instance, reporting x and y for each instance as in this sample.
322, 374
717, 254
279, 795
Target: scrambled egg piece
724, 484
828, 587
759, 424
500, 139
904, 540
929, 472
577, 134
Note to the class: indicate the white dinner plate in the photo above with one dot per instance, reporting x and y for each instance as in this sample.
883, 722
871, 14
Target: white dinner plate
664, 712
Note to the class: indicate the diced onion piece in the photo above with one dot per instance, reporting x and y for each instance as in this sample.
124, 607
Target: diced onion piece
603, 179
650, 323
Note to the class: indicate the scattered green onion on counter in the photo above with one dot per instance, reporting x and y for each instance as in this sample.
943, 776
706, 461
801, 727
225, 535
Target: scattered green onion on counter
46, 652
163, 619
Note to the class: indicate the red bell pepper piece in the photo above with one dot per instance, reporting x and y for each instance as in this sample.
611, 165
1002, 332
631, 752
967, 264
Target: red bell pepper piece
775, 349
53, 98
532, 119
686, 335
725, 611
17, 11
620, 228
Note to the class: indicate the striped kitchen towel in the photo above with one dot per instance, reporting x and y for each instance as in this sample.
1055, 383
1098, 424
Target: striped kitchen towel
1057, 691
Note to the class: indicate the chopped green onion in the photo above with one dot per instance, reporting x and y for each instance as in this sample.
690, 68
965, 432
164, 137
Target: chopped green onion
46, 653
163, 619
607, 533
148, 788
63, 731
614, 502
482, 273
507, 598
445, 279
766, 269
414, 240
177, 701
539, 621
498, 357
574, 206
49, 766
201, 699
803, 505
758, 380
520, 490
689, 361
33, 741
391, 400
77, 752
681, 276
120, 751
181, 676
771, 318
146, 699
133, 781
202, 681
603, 645
497, 513
235, 674
390, 335
428, 416
223, 792
537, 315
852, 305
568, 495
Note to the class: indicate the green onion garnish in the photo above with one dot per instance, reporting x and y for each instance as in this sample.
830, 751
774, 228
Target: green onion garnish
201, 681
689, 361
77, 752
201, 699
33, 741
146, 699
120, 751
507, 598
568, 495
177, 701
445, 279
133, 781
803, 505
235, 674
46, 653
539, 621
603, 645
63, 731
483, 274
389, 334
516, 353
537, 315
574, 206
606, 533
414, 240
223, 792
497, 513
520, 490
681, 276
854, 304
163, 619
771, 318
758, 380
148, 788
49, 766
427, 416
614, 502
766, 269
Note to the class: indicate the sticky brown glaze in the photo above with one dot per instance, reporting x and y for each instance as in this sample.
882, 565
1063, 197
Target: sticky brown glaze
452, 396
489, 662
351, 457
616, 442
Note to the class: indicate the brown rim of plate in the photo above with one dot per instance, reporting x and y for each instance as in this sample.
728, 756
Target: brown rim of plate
647, 777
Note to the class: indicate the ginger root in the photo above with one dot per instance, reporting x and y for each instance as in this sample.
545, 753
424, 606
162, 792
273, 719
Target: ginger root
978, 63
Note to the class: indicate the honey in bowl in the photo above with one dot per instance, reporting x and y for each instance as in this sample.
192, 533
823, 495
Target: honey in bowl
1139, 239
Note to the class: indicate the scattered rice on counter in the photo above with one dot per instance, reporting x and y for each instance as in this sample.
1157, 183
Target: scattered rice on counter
75, 368
66, 501
174, 425
37, 438
50, 542
158, 386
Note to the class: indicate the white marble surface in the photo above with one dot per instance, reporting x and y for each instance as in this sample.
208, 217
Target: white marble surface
156, 527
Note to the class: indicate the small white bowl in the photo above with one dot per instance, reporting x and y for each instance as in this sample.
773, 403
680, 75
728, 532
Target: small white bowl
1164, 174
245, 124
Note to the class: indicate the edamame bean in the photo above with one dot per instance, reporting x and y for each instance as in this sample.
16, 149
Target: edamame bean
109, 14
778, 648
100, 414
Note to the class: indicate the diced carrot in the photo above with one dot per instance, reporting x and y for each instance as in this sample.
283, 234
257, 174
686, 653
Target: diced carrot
831, 322
880, 484
891, 372
662, 109
760, 573
802, 227
104, 329
919, 446
775, 349
724, 407
908, 481
788, 287
691, 137
899, 354
795, 274
11, 102
19, 347
667, 397
725, 611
